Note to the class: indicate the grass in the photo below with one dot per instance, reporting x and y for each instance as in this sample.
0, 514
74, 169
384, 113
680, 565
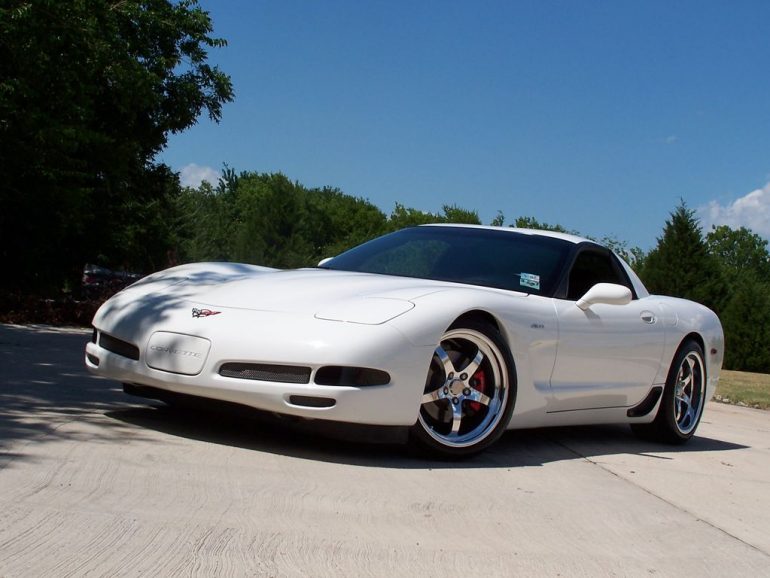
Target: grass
743, 388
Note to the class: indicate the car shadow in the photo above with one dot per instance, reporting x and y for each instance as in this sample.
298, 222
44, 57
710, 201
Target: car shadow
44, 386
354, 445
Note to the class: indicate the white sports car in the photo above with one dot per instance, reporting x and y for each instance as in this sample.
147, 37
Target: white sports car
455, 332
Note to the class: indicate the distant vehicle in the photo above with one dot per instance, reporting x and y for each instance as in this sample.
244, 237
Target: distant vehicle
454, 332
102, 282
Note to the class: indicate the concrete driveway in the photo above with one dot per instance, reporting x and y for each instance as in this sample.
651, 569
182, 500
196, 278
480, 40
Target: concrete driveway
93, 482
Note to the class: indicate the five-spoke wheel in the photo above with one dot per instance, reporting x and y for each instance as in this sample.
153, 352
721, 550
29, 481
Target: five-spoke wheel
683, 398
469, 392
689, 390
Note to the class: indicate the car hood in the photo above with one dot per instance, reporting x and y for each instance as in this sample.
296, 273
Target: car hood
325, 294
310, 289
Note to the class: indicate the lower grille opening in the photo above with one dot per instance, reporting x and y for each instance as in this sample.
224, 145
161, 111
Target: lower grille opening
308, 401
266, 372
351, 376
118, 346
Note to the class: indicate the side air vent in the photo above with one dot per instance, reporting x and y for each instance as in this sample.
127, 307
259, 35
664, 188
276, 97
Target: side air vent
647, 404
118, 346
266, 372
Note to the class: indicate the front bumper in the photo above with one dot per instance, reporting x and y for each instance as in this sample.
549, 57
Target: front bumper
310, 344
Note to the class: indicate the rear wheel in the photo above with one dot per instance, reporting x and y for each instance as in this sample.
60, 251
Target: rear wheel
469, 392
683, 398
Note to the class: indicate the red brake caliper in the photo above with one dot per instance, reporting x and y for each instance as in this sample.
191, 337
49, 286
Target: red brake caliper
480, 385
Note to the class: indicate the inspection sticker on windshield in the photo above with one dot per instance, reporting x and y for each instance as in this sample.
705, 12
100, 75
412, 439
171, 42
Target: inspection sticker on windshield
529, 280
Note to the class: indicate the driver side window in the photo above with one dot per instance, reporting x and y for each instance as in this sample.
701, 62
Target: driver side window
592, 267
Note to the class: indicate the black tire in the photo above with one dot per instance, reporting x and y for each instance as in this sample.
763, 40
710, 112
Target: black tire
684, 396
470, 392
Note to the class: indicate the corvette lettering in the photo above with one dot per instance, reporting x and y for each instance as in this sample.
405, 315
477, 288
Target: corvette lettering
204, 312
173, 351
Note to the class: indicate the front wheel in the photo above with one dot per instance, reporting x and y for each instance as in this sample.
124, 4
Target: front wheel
469, 392
683, 398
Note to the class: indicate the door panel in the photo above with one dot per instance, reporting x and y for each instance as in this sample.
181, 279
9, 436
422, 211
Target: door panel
607, 356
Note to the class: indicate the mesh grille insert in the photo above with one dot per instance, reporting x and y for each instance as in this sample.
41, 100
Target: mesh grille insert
266, 372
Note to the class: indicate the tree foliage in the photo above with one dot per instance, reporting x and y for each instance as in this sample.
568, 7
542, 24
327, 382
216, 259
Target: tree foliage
533, 223
402, 217
681, 264
729, 271
746, 323
739, 251
89, 92
267, 219
745, 263
498, 220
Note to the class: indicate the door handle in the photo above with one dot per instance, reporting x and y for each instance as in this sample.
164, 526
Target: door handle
648, 317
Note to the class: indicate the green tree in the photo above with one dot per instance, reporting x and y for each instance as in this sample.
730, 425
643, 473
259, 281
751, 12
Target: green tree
403, 217
533, 223
740, 251
746, 323
745, 261
455, 214
269, 220
336, 222
499, 220
681, 265
89, 92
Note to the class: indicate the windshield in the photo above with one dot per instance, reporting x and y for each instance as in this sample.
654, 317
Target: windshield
492, 258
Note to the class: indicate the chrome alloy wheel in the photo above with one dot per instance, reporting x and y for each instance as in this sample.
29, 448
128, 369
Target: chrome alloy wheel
466, 391
689, 392
684, 396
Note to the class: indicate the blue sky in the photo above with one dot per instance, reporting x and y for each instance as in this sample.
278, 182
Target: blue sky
599, 116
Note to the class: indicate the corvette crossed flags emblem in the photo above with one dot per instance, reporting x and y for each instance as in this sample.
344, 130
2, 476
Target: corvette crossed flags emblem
204, 312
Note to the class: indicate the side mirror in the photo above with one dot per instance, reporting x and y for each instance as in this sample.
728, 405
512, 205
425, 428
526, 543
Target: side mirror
605, 293
323, 262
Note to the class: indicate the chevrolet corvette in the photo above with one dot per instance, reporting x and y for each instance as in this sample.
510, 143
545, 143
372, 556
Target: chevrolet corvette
454, 333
